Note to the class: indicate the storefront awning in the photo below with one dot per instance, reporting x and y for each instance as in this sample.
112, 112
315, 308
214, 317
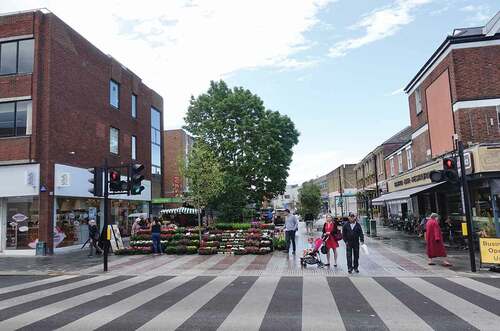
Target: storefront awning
403, 195
182, 210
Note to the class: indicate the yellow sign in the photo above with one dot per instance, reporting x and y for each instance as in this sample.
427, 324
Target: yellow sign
108, 233
490, 250
464, 230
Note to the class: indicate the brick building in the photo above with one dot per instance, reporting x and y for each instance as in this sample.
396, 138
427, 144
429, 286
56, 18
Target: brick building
177, 145
64, 107
370, 172
455, 95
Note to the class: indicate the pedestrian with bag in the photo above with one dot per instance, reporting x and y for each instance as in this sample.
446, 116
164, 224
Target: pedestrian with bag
291, 226
332, 235
156, 235
434, 239
352, 233
93, 238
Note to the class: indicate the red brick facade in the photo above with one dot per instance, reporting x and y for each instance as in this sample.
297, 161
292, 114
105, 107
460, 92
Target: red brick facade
71, 111
177, 142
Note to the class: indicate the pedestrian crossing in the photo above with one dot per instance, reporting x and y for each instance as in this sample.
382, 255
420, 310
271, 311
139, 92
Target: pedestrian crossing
204, 302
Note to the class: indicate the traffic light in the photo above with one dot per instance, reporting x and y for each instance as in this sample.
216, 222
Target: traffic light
115, 182
136, 179
448, 174
96, 181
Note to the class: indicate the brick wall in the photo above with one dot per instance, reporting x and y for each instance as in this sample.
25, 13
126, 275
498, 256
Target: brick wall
14, 149
16, 25
477, 125
173, 150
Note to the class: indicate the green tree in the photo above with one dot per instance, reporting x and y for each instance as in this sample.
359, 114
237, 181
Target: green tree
206, 179
252, 144
310, 199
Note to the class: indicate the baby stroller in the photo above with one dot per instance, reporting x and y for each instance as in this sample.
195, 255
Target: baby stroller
314, 257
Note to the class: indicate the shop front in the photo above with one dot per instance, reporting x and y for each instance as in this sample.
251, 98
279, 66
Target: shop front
19, 209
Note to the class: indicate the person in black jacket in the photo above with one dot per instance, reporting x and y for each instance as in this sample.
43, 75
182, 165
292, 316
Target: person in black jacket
93, 238
352, 233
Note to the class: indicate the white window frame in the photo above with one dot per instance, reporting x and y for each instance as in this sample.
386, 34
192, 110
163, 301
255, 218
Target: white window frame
133, 106
418, 100
409, 157
133, 144
400, 162
111, 83
111, 145
391, 162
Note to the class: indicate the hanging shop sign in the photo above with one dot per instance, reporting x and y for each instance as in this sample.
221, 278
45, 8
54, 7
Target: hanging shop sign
490, 250
486, 158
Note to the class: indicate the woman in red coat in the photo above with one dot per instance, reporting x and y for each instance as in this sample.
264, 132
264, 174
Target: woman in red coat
434, 238
331, 231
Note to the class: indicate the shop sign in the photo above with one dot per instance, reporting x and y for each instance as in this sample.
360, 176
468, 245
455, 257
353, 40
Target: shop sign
414, 178
486, 158
490, 250
167, 200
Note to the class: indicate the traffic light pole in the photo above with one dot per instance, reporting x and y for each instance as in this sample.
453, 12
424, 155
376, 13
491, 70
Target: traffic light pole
106, 215
467, 206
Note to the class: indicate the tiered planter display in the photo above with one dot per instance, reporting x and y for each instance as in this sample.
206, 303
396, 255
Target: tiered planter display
173, 241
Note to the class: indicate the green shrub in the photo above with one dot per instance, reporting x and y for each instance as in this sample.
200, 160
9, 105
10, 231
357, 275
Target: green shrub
233, 226
181, 249
171, 250
191, 249
178, 236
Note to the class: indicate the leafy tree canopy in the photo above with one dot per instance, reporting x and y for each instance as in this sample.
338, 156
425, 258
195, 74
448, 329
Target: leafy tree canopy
250, 142
310, 199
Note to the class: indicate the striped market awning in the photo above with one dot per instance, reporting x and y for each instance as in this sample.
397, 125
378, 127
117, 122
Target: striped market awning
181, 210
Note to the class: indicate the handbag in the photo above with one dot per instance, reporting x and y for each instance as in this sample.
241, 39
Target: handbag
323, 249
338, 236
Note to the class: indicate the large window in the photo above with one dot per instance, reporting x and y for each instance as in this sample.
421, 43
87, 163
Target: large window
15, 118
400, 162
114, 138
155, 141
16, 57
391, 161
418, 100
114, 94
409, 157
134, 148
134, 106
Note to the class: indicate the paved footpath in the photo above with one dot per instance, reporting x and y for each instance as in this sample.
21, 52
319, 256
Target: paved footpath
393, 291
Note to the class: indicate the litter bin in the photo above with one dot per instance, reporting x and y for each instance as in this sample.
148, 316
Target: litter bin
366, 224
41, 248
373, 228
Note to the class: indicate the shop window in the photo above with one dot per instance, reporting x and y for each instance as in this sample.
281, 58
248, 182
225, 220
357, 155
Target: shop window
114, 138
15, 118
114, 94
71, 223
22, 222
134, 106
17, 57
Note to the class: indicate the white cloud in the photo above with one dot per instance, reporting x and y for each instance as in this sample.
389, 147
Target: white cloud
479, 14
177, 47
379, 24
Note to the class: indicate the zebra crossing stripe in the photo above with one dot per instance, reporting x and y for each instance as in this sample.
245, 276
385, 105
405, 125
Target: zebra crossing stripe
174, 316
393, 313
173, 266
46, 309
480, 287
72, 314
319, 309
485, 302
139, 316
32, 296
493, 281
285, 307
33, 289
116, 310
116, 263
44, 282
476, 316
258, 297
203, 266
241, 264
213, 313
356, 312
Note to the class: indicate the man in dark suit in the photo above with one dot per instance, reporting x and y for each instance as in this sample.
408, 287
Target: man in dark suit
352, 233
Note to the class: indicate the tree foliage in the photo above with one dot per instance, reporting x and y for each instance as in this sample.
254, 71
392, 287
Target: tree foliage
310, 199
206, 178
253, 145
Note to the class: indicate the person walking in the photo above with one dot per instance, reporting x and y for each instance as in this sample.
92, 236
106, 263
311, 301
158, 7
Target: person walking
94, 238
291, 226
332, 234
309, 219
434, 239
155, 236
352, 234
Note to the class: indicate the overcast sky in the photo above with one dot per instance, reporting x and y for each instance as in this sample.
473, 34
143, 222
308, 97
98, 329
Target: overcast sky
337, 68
